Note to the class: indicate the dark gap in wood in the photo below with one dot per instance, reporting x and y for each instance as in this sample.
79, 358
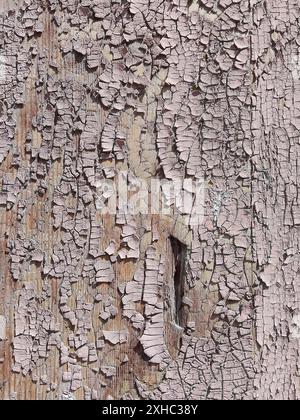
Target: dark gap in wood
179, 252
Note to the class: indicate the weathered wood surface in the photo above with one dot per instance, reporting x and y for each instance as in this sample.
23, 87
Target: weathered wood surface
111, 306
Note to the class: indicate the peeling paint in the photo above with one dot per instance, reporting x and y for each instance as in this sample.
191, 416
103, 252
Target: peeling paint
91, 89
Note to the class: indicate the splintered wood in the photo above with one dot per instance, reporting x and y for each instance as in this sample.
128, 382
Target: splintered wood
99, 302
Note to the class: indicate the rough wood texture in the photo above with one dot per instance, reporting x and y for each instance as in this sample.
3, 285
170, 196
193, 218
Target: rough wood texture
125, 306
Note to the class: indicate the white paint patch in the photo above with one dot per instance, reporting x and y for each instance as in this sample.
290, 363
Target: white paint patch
296, 66
2, 327
3, 67
295, 327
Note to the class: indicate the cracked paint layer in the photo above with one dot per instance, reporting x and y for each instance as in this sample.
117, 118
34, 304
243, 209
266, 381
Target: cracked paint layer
173, 90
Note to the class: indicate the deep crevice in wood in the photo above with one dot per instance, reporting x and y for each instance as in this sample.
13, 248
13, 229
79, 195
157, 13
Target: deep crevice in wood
179, 252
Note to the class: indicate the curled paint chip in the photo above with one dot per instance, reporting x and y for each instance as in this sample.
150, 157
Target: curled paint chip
115, 337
